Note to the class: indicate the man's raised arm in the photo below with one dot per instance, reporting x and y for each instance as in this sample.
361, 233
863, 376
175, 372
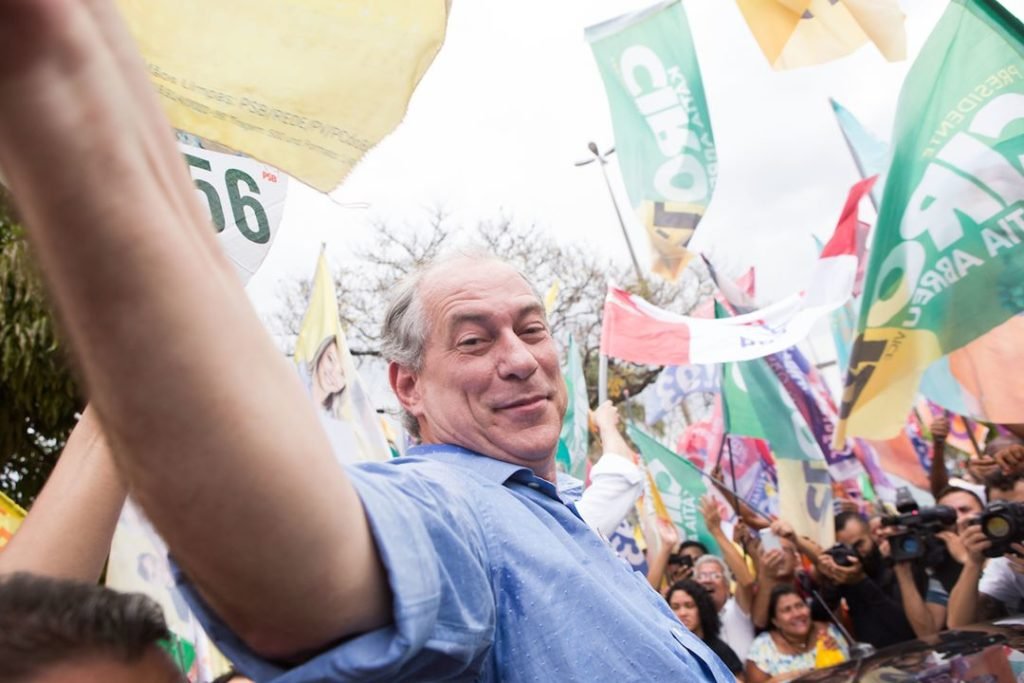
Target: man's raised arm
210, 426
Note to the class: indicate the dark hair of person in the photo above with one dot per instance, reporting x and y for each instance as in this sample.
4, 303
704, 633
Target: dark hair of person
46, 621
693, 544
959, 489
1000, 481
710, 624
229, 676
844, 517
778, 592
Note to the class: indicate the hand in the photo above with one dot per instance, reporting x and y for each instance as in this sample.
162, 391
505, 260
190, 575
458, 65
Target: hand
841, 575
975, 544
1011, 459
954, 545
771, 563
939, 428
783, 529
712, 513
981, 466
826, 638
1016, 560
605, 416
668, 534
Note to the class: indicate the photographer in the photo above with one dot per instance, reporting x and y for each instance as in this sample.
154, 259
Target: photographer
986, 591
862, 577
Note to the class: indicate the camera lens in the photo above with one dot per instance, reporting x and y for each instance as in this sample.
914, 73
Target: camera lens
997, 527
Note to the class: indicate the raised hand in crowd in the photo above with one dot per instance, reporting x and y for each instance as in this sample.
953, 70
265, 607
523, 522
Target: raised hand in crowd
1011, 459
616, 481
711, 508
938, 477
658, 559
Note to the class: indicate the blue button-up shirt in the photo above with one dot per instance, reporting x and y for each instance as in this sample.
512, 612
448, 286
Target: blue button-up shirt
495, 578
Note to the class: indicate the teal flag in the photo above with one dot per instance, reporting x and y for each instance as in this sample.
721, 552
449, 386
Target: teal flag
947, 263
663, 137
574, 440
680, 484
870, 154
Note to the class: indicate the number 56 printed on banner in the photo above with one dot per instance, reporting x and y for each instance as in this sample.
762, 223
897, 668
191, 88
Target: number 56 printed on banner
245, 199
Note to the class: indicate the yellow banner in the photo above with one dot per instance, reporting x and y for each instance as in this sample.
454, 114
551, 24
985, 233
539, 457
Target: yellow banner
11, 515
329, 373
795, 33
307, 85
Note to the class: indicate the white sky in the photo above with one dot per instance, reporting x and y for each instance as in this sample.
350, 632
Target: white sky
514, 96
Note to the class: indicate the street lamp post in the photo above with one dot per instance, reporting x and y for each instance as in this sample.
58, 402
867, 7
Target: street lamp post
602, 159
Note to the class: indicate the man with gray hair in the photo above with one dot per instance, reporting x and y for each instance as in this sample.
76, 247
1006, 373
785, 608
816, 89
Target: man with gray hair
461, 562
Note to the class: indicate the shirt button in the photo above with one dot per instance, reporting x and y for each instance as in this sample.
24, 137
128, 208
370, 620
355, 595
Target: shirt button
533, 485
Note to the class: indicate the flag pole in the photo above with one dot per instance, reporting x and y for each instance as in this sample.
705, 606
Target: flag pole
602, 378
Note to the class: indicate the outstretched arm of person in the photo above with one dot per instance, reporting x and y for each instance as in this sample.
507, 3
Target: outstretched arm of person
67, 533
737, 565
925, 617
938, 477
615, 480
209, 426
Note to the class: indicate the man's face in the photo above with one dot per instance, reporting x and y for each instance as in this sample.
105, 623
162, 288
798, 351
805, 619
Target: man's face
711, 575
966, 506
490, 379
855, 534
789, 557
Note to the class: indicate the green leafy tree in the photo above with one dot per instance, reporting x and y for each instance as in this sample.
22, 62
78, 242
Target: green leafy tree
38, 395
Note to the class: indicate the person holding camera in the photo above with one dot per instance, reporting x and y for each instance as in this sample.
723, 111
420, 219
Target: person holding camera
860, 574
987, 591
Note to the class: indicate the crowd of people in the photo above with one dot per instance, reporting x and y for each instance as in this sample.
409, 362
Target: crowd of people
470, 559
889, 579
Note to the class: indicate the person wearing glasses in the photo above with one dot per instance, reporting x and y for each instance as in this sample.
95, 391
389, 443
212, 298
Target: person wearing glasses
733, 610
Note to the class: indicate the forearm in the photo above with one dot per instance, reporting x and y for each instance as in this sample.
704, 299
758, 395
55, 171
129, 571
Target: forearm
657, 560
737, 565
203, 414
917, 612
759, 612
68, 531
963, 600
938, 477
808, 548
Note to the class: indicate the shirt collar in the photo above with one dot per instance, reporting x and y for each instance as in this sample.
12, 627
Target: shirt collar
497, 471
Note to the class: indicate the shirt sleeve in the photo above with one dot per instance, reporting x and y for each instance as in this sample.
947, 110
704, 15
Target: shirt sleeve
432, 546
936, 594
762, 652
998, 582
615, 484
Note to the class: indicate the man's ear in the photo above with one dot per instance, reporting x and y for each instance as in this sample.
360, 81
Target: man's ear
405, 384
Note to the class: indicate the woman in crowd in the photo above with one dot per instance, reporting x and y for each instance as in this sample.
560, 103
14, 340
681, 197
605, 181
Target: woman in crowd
793, 642
694, 607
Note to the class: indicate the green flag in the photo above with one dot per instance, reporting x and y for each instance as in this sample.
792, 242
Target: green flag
680, 484
663, 137
574, 440
947, 264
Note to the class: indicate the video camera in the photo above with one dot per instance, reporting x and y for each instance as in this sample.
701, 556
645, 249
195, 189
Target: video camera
917, 540
1003, 524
